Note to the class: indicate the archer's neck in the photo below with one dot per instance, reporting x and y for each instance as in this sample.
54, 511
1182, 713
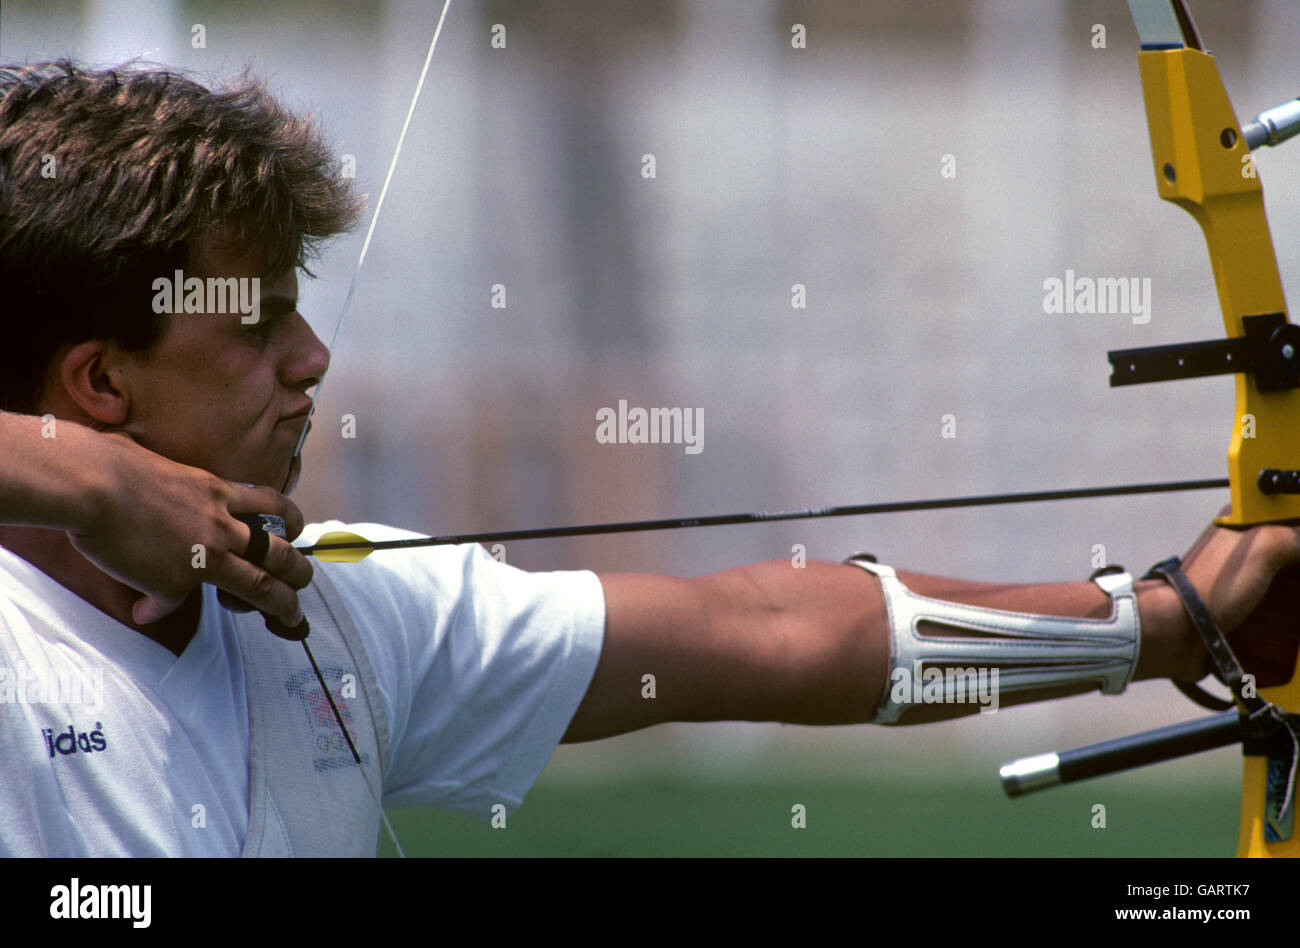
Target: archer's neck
53, 554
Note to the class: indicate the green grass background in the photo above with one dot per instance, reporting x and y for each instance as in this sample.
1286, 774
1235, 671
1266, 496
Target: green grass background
750, 816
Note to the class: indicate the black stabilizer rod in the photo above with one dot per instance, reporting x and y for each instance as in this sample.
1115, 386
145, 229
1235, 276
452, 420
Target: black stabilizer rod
1150, 747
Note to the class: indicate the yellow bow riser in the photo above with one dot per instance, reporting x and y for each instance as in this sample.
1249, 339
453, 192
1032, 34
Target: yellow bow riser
1202, 164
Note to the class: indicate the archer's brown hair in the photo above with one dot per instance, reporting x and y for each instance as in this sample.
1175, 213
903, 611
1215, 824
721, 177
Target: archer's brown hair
108, 180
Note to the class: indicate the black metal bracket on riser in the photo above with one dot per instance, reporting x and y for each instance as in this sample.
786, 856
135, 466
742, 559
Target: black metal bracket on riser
1272, 480
1269, 351
1269, 736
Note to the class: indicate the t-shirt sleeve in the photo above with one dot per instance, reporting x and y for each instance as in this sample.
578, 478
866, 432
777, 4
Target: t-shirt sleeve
481, 666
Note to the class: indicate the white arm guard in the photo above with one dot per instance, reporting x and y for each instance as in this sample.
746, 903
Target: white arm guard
1014, 651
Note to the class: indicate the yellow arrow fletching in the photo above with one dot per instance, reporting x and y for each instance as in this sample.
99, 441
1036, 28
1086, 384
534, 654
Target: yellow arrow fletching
358, 547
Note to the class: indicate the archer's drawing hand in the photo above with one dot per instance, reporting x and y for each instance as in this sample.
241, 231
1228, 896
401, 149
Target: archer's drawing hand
163, 528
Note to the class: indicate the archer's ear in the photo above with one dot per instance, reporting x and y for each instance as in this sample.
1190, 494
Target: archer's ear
89, 375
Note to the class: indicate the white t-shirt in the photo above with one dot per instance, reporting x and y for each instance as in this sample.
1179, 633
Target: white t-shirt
481, 667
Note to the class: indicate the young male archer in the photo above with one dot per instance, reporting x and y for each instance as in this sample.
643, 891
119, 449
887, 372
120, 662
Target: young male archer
456, 675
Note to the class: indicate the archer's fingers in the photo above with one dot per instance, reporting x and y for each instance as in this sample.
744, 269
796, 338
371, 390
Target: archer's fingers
285, 563
258, 500
272, 588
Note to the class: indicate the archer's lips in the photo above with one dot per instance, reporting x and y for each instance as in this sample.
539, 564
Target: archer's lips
297, 423
303, 409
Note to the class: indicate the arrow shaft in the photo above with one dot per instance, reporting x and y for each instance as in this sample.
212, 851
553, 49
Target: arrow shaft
812, 513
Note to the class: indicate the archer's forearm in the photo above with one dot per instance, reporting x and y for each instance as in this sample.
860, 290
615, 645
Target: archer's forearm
835, 626
810, 645
47, 472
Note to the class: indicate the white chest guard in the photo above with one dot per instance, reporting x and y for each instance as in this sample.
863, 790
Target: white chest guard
306, 794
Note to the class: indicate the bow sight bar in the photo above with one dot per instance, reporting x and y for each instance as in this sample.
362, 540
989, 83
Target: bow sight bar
1203, 164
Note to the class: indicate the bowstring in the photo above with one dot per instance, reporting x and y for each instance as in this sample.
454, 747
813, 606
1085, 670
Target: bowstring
302, 437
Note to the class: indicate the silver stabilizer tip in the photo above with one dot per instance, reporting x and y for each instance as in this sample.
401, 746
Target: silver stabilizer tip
1030, 773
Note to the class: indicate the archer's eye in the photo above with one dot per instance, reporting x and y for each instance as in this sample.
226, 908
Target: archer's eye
259, 332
